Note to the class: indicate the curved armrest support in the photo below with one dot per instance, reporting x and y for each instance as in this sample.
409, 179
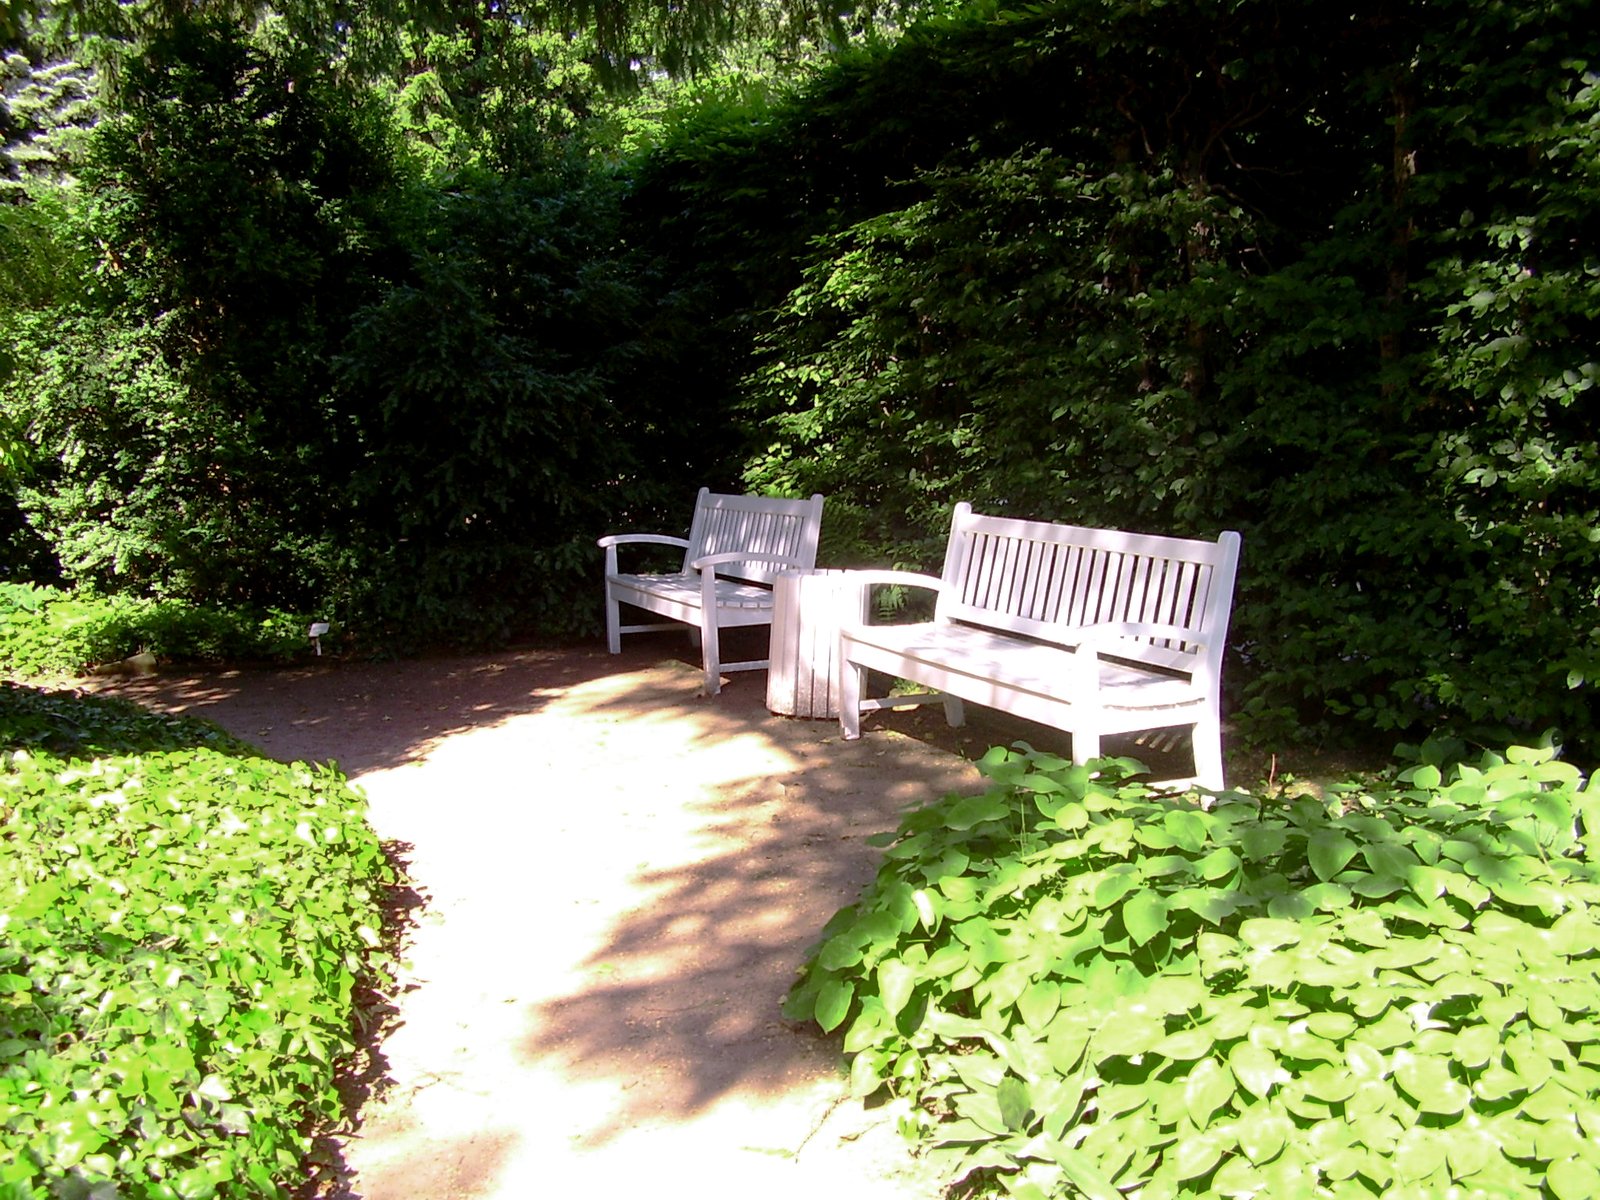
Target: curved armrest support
856, 583
902, 578
610, 543
658, 539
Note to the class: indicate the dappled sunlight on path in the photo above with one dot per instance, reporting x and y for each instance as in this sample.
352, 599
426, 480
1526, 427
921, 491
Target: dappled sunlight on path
618, 878
625, 881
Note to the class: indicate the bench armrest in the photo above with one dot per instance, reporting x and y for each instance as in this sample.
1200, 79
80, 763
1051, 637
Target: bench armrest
658, 539
867, 579
854, 609
728, 556
610, 543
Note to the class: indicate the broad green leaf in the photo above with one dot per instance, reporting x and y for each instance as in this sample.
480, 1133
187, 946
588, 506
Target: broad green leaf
1573, 1179
1185, 1045
974, 810
1475, 1046
1267, 933
1015, 1103
1332, 1026
1208, 1087
840, 951
1427, 1080
1468, 1150
1256, 1068
1263, 1133
833, 1003
1038, 1003
1114, 886
1187, 827
896, 980
1334, 1084
1365, 1063
1532, 1065
1144, 915
983, 1108
1329, 852
1221, 862
1418, 1154
1195, 1154
1079, 1169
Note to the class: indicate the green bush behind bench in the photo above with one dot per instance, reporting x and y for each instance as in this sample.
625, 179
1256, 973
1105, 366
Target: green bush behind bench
50, 630
182, 930
1079, 988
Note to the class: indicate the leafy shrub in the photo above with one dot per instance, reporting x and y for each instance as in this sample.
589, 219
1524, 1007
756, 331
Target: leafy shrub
44, 631
1089, 989
184, 931
1327, 280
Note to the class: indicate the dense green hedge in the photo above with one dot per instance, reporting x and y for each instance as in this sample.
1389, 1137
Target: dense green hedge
1078, 988
185, 928
1321, 274
1325, 274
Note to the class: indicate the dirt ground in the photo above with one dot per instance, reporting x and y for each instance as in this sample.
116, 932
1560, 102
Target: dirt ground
612, 881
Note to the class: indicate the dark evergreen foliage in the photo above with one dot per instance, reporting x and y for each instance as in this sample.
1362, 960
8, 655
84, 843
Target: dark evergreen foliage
1325, 275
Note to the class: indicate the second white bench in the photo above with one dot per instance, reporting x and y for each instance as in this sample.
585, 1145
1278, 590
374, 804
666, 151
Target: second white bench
735, 549
1092, 631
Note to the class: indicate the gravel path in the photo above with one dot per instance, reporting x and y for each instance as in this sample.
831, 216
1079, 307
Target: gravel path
615, 879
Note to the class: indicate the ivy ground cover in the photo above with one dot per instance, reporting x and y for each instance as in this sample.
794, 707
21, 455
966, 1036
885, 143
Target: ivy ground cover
1081, 988
183, 926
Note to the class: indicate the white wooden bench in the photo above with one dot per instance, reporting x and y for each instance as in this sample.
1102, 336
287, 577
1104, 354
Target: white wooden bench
1091, 631
735, 549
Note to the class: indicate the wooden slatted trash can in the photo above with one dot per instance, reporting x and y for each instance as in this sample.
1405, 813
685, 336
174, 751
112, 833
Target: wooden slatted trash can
803, 676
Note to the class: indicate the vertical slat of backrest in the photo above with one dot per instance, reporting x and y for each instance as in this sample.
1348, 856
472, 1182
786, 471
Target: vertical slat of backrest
1076, 585
1091, 584
1185, 586
1041, 563
1133, 589
1064, 565
1024, 583
1121, 591
1013, 576
973, 567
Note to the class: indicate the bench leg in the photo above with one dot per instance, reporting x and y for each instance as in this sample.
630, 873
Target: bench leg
1085, 746
711, 653
613, 623
1207, 741
955, 712
852, 681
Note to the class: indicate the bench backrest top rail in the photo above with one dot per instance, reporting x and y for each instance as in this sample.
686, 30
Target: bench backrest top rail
759, 524
1043, 580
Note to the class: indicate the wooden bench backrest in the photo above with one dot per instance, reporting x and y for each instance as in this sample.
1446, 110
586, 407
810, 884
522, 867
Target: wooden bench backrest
759, 524
1041, 580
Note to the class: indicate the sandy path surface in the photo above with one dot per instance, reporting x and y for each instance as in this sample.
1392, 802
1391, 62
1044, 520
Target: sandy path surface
615, 880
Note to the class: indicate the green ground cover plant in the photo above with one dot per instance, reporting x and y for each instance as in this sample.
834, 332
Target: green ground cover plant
184, 927
49, 630
1081, 987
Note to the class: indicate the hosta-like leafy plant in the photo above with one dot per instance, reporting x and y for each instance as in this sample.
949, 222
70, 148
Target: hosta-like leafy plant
1089, 989
181, 935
